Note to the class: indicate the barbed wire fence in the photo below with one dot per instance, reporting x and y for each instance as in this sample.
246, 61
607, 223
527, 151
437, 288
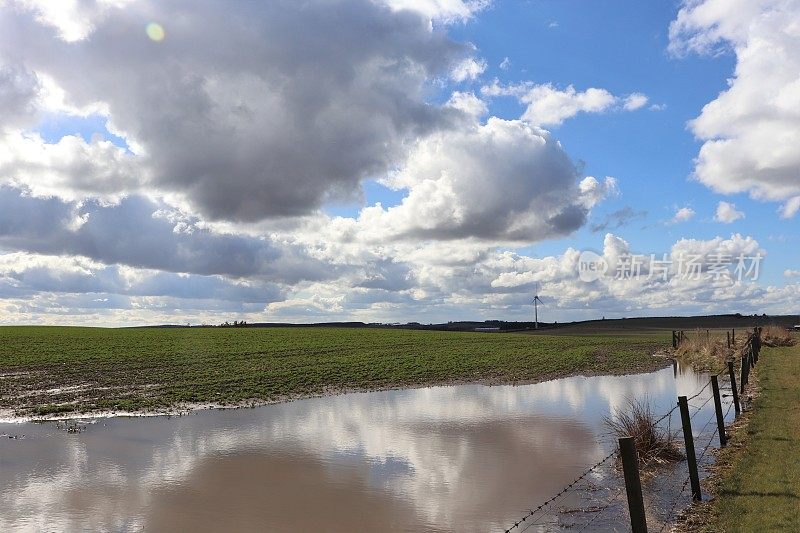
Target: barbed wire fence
749, 356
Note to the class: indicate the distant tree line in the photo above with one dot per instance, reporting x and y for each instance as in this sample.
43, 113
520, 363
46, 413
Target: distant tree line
235, 324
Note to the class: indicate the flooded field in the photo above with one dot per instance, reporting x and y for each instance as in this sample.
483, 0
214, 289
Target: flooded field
455, 458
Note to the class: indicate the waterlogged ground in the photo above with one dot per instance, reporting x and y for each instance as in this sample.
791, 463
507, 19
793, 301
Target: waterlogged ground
60, 370
455, 458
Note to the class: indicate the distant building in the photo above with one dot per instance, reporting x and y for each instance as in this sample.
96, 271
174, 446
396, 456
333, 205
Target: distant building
488, 330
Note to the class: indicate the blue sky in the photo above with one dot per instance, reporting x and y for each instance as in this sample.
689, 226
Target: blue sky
391, 160
650, 152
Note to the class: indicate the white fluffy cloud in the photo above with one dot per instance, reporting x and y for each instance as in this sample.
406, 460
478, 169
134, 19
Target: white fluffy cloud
426, 281
649, 292
751, 131
504, 180
635, 101
727, 213
791, 207
442, 9
683, 214
550, 106
70, 168
468, 70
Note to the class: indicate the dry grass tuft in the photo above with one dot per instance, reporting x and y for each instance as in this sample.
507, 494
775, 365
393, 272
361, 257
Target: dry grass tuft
655, 445
704, 351
775, 336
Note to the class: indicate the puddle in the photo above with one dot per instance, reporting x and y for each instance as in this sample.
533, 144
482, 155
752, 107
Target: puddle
456, 458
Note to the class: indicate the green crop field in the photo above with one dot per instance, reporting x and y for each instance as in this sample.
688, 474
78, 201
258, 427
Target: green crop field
57, 369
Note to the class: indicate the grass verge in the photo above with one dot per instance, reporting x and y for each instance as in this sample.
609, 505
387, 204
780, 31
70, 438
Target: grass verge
55, 369
756, 479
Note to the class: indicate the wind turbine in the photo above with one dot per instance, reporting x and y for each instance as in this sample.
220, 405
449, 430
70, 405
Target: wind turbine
536, 302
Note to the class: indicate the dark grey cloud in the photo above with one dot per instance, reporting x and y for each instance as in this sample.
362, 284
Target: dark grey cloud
19, 89
77, 304
253, 110
617, 219
133, 233
387, 275
110, 280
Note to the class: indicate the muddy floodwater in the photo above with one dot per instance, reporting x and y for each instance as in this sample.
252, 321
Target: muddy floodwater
453, 458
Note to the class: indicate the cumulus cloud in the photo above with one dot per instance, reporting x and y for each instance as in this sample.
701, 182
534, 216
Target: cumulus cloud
71, 168
326, 94
550, 106
468, 103
683, 214
501, 180
467, 70
791, 207
404, 280
650, 292
751, 130
634, 101
727, 213
445, 10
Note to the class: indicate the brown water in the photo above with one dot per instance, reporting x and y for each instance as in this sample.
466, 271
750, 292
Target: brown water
460, 458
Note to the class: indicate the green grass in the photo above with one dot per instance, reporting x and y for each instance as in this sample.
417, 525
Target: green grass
139, 369
761, 489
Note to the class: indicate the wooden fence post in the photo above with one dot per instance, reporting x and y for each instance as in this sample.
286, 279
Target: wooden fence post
723, 439
756, 344
728, 334
633, 484
734, 390
688, 440
674, 339
745, 371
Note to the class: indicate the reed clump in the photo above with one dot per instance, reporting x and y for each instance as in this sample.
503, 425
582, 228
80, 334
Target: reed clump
704, 351
655, 445
775, 336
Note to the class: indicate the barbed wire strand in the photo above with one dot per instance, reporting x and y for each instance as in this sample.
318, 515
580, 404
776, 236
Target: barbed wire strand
600, 512
677, 499
563, 491
670, 514
533, 511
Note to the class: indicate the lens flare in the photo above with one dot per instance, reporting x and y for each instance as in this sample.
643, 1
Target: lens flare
155, 31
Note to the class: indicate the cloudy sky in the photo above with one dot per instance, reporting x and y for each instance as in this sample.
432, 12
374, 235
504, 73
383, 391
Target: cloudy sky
397, 160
